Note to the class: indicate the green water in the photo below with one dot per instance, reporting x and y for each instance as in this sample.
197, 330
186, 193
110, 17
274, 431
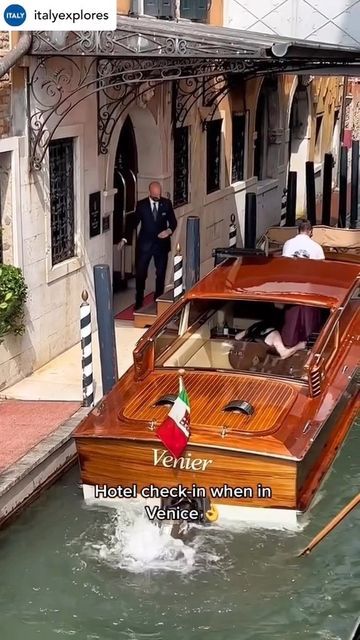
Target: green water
68, 571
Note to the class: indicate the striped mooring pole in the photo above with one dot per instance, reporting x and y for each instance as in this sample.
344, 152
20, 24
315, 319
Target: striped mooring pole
86, 349
283, 208
232, 232
178, 274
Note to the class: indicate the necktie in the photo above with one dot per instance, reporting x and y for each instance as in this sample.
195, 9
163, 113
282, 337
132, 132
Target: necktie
154, 211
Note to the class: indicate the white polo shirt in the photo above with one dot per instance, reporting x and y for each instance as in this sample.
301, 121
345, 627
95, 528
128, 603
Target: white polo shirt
302, 246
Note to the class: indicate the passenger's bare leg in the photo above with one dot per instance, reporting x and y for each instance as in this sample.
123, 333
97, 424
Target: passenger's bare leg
274, 340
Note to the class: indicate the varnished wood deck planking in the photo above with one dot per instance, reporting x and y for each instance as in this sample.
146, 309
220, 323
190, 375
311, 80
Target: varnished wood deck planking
290, 440
208, 397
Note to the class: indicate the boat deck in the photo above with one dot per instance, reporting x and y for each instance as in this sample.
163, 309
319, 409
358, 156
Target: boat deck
285, 422
255, 422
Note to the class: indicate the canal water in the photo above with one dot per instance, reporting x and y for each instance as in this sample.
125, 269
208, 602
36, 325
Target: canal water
91, 574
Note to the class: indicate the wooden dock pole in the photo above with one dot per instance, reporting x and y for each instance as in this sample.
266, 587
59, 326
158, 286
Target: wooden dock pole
332, 524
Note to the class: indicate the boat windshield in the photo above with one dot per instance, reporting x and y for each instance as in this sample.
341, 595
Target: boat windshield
202, 336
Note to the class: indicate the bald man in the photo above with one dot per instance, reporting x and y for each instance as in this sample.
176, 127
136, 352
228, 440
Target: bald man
156, 216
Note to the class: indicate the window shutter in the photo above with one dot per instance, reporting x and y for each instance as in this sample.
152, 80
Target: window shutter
181, 166
213, 155
151, 7
159, 8
166, 9
238, 147
193, 9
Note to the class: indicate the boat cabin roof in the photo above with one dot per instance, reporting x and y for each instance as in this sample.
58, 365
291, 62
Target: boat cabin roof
323, 283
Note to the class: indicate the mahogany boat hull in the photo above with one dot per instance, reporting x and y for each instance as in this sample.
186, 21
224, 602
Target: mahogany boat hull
110, 464
262, 489
264, 463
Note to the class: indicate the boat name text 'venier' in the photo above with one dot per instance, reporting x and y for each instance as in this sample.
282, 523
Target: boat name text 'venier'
161, 457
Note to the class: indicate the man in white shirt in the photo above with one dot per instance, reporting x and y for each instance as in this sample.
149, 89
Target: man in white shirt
302, 246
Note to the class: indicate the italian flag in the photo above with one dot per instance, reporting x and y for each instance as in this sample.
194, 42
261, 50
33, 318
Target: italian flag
174, 432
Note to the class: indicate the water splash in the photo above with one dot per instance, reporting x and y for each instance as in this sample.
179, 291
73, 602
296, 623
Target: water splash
127, 539
132, 542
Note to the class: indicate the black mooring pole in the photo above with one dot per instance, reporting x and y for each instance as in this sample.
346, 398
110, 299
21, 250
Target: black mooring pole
291, 200
106, 326
327, 189
310, 192
192, 264
354, 183
250, 221
343, 186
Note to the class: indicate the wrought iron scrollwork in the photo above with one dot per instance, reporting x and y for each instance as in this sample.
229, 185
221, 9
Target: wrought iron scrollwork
120, 83
212, 89
59, 83
122, 42
186, 93
217, 92
181, 166
135, 38
61, 166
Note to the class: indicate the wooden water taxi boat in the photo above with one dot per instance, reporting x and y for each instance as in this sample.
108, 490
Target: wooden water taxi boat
264, 431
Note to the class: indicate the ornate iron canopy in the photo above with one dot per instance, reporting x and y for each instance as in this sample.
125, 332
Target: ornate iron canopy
126, 65
59, 83
150, 37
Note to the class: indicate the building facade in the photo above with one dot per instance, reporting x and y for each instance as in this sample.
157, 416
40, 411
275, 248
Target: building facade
73, 168
316, 20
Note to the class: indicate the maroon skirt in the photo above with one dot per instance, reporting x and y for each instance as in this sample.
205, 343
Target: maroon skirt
299, 323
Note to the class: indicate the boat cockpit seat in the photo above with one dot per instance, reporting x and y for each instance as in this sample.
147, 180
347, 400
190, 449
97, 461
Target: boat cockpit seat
258, 358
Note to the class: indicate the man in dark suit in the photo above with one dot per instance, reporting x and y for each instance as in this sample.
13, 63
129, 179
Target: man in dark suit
156, 216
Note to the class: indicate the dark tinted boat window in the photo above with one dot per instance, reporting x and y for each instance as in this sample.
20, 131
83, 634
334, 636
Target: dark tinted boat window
167, 335
204, 338
201, 309
356, 294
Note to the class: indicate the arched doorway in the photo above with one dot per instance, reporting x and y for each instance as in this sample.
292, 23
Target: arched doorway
336, 146
266, 149
125, 182
299, 140
136, 146
261, 133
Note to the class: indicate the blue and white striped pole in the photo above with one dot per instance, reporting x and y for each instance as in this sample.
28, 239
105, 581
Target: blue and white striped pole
178, 274
232, 232
86, 348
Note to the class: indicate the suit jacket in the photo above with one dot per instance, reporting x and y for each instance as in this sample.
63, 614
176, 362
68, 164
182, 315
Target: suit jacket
150, 228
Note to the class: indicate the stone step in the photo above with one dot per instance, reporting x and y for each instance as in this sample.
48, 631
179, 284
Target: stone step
165, 301
145, 316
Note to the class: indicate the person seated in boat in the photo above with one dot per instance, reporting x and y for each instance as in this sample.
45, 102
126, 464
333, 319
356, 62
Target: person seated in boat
302, 245
267, 333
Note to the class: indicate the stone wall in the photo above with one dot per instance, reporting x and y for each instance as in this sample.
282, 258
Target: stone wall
334, 22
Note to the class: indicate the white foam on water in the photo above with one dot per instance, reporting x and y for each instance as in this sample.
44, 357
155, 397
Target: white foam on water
327, 635
237, 526
128, 540
134, 543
